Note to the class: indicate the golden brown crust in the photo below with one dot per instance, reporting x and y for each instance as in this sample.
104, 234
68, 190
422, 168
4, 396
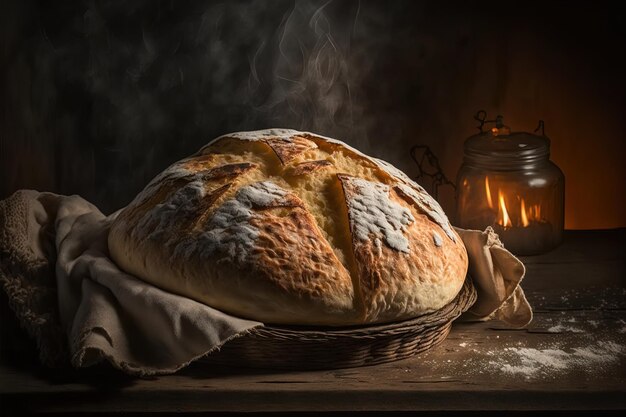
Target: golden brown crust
288, 227
198, 162
287, 150
227, 171
215, 182
292, 255
400, 265
203, 213
308, 167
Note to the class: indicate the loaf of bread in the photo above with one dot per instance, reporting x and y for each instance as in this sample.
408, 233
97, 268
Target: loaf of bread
288, 227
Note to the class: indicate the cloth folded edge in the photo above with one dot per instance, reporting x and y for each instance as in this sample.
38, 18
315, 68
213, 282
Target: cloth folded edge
500, 295
91, 355
30, 285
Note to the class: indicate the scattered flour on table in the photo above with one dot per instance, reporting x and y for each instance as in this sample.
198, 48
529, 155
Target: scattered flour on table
559, 328
531, 362
545, 361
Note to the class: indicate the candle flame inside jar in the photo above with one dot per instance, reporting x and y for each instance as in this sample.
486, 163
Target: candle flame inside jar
524, 217
509, 218
488, 192
503, 214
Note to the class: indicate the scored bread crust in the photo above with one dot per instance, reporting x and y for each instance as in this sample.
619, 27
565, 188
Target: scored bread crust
291, 227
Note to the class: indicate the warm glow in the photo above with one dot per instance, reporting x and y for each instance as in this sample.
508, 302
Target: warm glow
523, 213
503, 214
512, 215
488, 192
535, 212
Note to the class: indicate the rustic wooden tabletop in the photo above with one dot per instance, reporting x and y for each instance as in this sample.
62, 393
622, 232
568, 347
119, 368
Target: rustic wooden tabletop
572, 357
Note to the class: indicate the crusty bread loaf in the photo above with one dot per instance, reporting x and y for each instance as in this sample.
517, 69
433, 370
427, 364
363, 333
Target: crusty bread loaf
290, 227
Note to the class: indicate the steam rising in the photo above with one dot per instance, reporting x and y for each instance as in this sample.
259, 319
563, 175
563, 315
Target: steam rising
301, 78
121, 90
97, 97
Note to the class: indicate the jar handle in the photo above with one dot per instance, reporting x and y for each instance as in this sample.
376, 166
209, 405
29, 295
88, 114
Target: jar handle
481, 117
428, 166
541, 126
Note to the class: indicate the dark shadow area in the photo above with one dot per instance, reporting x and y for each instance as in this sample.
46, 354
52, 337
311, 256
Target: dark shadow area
98, 97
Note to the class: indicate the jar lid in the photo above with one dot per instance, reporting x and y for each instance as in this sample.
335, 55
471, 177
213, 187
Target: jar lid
500, 148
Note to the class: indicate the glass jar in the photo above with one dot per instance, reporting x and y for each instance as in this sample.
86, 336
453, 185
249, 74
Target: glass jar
508, 182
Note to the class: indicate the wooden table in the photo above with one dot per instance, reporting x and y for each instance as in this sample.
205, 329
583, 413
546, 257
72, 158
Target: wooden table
572, 357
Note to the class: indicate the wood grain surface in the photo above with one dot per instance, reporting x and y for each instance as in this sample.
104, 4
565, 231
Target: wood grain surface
571, 357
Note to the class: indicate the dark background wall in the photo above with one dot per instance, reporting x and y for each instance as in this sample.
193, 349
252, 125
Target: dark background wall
97, 96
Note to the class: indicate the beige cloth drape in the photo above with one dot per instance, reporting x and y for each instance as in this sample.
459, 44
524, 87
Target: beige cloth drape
497, 275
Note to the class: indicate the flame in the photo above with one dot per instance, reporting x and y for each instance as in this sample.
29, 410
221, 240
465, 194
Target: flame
523, 213
488, 192
506, 220
510, 216
535, 211
532, 213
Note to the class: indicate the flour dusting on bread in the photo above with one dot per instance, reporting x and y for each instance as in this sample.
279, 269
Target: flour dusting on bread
430, 207
157, 223
373, 215
285, 134
261, 194
230, 230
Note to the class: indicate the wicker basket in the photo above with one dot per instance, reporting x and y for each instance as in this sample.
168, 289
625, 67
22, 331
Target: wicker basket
300, 348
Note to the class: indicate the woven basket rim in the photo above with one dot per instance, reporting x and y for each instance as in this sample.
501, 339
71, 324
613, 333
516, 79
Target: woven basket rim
311, 347
464, 299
